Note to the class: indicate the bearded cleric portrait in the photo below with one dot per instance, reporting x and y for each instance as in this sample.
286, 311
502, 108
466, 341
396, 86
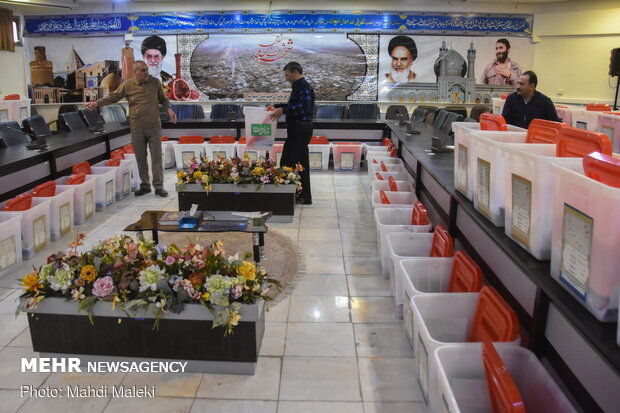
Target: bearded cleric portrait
403, 51
153, 51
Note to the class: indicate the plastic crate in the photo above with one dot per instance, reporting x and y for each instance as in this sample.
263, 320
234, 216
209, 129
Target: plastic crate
105, 188
122, 180
565, 113
528, 183
466, 134
319, 156
10, 243
488, 180
385, 176
347, 156
35, 225
62, 213
135, 174
378, 160
215, 151
253, 154
184, 152
585, 240
609, 124
401, 186
83, 197
168, 154
462, 382
391, 220
375, 147
585, 119
444, 319
397, 199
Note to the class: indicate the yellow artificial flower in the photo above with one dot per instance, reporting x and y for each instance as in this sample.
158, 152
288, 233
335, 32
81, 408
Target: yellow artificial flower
180, 175
206, 296
258, 171
205, 179
32, 282
197, 175
88, 273
142, 248
288, 169
247, 270
115, 300
234, 318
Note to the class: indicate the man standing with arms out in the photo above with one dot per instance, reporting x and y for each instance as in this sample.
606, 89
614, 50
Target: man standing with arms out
527, 103
299, 113
501, 71
144, 94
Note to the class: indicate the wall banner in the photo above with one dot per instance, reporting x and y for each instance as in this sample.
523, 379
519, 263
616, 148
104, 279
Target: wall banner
291, 21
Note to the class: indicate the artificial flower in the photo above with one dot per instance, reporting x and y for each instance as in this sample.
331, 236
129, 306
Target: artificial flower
103, 287
148, 278
88, 273
247, 270
32, 282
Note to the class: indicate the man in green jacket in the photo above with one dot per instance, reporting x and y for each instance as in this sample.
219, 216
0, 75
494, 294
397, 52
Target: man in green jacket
144, 94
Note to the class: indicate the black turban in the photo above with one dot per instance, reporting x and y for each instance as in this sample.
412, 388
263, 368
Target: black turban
155, 42
406, 42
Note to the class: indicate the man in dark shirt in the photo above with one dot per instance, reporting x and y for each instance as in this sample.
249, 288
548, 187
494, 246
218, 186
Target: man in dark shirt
299, 113
527, 103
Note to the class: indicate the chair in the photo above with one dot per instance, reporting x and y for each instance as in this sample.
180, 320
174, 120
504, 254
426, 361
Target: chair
440, 118
91, 117
432, 112
226, 111
64, 109
35, 125
330, 112
447, 124
113, 113
419, 114
397, 112
11, 134
71, 121
363, 111
461, 110
185, 112
476, 111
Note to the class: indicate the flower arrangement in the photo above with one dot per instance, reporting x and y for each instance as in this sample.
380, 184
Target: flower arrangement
238, 171
137, 275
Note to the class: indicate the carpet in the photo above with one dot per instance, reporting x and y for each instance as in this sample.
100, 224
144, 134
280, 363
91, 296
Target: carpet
282, 259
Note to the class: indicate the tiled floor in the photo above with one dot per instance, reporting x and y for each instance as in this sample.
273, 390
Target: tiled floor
333, 345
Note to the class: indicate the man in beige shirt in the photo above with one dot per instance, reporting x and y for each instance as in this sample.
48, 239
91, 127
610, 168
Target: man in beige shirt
144, 94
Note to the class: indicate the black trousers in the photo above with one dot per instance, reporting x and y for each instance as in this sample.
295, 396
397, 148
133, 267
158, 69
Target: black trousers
296, 151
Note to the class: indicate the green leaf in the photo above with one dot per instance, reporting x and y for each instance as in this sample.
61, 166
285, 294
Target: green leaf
87, 304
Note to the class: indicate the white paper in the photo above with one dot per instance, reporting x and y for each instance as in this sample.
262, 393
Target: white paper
521, 208
253, 155
576, 244
109, 192
40, 235
187, 157
89, 204
461, 173
65, 217
126, 183
220, 155
347, 160
484, 184
316, 160
8, 255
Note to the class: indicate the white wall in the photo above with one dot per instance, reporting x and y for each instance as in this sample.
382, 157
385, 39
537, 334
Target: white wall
12, 77
572, 57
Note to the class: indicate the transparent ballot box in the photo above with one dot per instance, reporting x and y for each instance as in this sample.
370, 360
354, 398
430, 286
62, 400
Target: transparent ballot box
275, 153
135, 174
458, 274
319, 150
585, 240
463, 383
565, 113
220, 147
401, 186
380, 161
390, 220
609, 124
188, 148
253, 154
391, 199
167, 153
122, 171
83, 195
61, 207
463, 319
404, 245
347, 156
585, 119
10, 243
397, 176
465, 137
105, 186
35, 221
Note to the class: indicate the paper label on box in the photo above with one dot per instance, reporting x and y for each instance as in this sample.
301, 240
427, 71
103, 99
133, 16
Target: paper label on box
89, 204
483, 192
126, 183
316, 160
278, 157
65, 217
521, 209
40, 234
187, 157
576, 248
253, 155
220, 155
422, 356
609, 131
8, 253
109, 192
461, 173
581, 125
347, 160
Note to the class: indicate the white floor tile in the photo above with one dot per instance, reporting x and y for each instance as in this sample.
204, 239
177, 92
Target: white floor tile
318, 284
381, 340
313, 407
319, 309
273, 339
320, 340
369, 286
367, 265
234, 406
150, 405
324, 265
320, 248
373, 310
389, 379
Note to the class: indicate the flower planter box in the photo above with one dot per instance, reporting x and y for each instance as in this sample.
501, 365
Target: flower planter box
58, 328
229, 197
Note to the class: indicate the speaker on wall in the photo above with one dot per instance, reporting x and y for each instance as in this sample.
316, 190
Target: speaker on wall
614, 62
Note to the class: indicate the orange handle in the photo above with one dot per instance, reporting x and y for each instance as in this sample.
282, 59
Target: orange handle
384, 198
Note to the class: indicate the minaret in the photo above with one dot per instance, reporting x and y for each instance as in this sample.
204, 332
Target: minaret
443, 68
471, 60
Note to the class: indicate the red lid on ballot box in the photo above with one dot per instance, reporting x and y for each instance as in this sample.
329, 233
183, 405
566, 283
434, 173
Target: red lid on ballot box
83, 167
76, 179
419, 215
598, 107
384, 198
543, 131
393, 186
187, 139
45, 189
379, 177
21, 202
114, 162
383, 167
221, 139
319, 140
492, 121
466, 275
494, 320
602, 168
129, 148
442, 243
503, 392
117, 154
577, 143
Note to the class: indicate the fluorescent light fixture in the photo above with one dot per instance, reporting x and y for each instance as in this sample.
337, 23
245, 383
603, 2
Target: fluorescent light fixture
41, 3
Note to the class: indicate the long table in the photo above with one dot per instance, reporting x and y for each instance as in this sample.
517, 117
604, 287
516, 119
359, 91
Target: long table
580, 349
22, 169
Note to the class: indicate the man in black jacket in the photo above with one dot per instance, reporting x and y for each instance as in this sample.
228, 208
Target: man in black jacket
299, 113
527, 103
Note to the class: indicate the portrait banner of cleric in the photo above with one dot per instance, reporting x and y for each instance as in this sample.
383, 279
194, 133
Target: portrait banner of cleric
501, 71
154, 51
403, 52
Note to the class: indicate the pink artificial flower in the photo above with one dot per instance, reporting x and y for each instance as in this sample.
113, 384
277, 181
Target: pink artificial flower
103, 287
170, 260
237, 291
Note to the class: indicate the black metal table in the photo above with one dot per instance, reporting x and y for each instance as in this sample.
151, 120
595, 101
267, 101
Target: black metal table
149, 221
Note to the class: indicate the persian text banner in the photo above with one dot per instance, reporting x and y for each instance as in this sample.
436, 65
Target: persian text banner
318, 21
